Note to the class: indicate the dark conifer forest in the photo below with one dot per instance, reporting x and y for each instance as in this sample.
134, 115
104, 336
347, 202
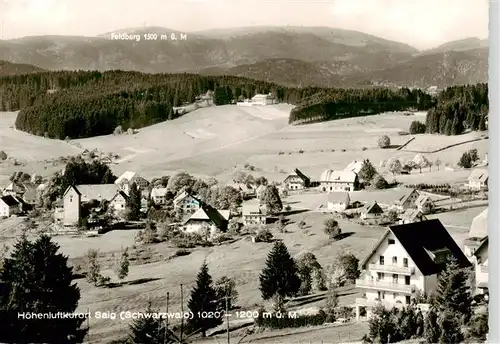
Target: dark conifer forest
79, 104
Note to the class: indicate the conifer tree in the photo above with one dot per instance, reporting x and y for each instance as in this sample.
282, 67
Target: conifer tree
203, 299
36, 278
453, 293
148, 329
134, 203
367, 171
431, 326
280, 275
271, 198
123, 265
449, 326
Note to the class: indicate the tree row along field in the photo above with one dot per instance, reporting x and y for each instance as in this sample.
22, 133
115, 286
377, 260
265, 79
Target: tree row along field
77, 104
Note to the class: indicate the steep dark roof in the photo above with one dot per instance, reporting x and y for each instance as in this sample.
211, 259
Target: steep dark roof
420, 238
483, 246
10, 201
302, 175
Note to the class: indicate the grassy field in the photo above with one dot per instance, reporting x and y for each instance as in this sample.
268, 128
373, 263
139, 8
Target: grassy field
212, 142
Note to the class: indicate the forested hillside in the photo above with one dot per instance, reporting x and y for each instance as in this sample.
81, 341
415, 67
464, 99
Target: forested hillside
79, 104
459, 108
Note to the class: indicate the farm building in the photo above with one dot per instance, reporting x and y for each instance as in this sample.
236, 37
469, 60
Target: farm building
406, 259
246, 191
410, 216
425, 204
253, 215
477, 233
10, 205
128, 178
263, 99
159, 195
297, 181
26, 191
186, 203
337, 201
478, 179
207, 221
354, 166
408, 201
371, 211
332, 181
481, 267
77, 195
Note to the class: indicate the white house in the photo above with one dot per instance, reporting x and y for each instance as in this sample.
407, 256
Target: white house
408, 201
263, 99
9, 205
253, 215
478, 231
296, 181
337, 201
159, 195
207, 221
478, 179
128, 178
186, 203
410, 216
425, 204
371, 211
77, 195
481, 267
406, 259
331, 181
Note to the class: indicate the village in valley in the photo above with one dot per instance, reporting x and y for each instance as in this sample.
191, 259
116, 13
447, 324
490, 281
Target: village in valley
367, 225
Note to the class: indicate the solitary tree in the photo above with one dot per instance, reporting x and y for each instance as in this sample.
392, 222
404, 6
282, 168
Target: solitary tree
379, 182
367, 171
280, 275
332, 228
123, 265
417, 127
395, 166
92, 266
438, 163
271, 198
37, 279
134, 203
345, 269
384, 141
203, 301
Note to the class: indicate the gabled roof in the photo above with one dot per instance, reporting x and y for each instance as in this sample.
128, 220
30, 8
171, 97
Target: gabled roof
159, 192
338, 197
208, 213
182, 195
479, 225
10, 201
14, 187
120, 193
419, 238
98, 192
125, 177
479, 175
483, 247
422, 199
338, 176
72, 187
301, 175
354, 166
411, 214
405, 197
372, 208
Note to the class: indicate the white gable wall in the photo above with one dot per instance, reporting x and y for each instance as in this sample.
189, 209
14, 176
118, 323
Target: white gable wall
387, 272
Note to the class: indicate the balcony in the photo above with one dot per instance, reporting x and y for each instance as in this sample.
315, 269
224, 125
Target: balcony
387, 286
395, 269
364, 302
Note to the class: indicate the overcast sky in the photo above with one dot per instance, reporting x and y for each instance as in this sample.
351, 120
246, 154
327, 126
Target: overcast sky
421, 23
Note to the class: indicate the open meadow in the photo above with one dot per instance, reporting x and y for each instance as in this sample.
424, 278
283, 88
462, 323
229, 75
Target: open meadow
212, 142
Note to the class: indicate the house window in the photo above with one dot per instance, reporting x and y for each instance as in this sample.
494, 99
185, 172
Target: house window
383, 295
407, 280
381, 260
408, 299
71, 198
405, 262
395, 295
394, 260
380, 275
379, 295
395, 278
392, 241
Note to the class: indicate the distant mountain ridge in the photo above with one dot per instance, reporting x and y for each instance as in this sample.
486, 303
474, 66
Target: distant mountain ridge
319, 56
8, 68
